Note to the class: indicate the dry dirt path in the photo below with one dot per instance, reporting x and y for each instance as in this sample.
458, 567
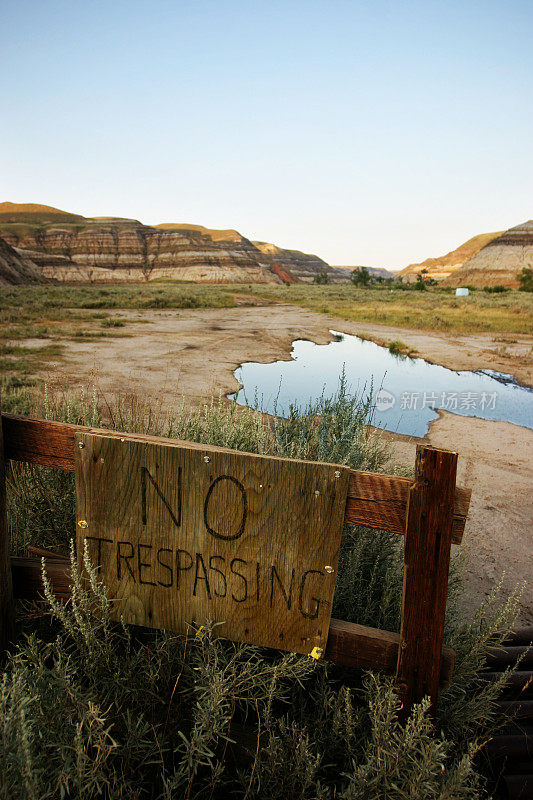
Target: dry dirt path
194, 353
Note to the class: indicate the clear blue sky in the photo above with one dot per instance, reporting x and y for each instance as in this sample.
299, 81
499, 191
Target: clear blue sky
371, 132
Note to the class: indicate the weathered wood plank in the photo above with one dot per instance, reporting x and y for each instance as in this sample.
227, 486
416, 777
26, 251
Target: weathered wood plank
6, 589
381, 501
181, 534
377, 501
27, 577
348, 644
361, 647
428, 536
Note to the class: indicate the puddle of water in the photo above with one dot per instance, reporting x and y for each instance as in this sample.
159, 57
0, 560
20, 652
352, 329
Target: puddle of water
410, 389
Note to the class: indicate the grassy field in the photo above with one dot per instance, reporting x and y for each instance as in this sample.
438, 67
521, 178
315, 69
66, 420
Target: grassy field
435, 309
47, 316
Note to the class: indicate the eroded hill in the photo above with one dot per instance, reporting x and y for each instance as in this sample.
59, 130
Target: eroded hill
70, 248
16, 267
500, 261
442, 267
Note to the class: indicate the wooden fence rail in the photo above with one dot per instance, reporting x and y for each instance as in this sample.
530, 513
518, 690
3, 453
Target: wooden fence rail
348, 644
431, 512
374, 500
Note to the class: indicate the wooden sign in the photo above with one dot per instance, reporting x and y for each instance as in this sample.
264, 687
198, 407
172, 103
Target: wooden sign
185, 533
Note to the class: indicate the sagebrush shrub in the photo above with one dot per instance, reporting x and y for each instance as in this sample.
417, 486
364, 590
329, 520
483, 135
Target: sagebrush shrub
92, 708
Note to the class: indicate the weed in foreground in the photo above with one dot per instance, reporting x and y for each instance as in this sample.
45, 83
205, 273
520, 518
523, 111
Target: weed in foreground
94, 708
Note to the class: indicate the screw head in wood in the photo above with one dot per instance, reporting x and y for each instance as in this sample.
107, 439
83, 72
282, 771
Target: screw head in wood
329, 569
101, 460
316, 653
316, 492
81, 445
207, 459
83, 523
337, 473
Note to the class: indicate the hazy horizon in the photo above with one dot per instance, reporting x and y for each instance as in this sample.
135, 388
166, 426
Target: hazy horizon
373, 133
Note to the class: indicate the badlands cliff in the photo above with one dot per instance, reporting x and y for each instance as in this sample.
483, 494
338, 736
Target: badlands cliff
71, 248
16, 267
500, 261
78, 249
300, 265
443, 267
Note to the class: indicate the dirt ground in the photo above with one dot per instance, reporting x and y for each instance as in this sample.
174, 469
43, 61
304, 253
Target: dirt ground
194, 353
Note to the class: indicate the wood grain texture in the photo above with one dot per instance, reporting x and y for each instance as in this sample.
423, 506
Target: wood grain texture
381, 501
27, 577
428, 537
6, 589
362, 647
348, 644
377, 501
185, 535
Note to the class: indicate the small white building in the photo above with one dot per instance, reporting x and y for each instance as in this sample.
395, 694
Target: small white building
462, 292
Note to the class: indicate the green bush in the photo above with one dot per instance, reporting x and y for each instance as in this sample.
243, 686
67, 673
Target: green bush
361, 276
525, 279
498, 289
398, 348
92, 708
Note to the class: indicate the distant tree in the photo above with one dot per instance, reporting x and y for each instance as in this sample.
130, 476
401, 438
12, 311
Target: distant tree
420, 284
322, 278
525, 279
361, 276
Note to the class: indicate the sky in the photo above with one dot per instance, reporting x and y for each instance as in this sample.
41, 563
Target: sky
370, 133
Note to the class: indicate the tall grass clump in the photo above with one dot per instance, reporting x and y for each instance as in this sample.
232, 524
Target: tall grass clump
331, 429
94, 708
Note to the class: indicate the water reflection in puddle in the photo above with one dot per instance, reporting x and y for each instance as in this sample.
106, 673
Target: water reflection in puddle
410, 389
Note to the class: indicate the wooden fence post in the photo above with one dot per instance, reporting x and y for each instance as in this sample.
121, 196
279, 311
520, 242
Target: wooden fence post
428, 537
6, 587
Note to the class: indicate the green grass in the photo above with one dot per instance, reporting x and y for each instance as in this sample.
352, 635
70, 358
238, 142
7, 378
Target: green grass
51, 301
91, 708
85, 312
59, 313
435, 309
398, 348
